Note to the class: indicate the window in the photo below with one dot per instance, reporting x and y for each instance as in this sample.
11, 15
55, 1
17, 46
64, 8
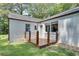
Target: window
47, 28
41, 26
35, 27
27, 27
54, 27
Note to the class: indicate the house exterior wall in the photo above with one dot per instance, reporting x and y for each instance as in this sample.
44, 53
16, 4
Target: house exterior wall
68, 29
41, 30
17, 30
52, 34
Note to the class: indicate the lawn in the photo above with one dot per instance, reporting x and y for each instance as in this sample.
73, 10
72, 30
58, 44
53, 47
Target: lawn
28, 49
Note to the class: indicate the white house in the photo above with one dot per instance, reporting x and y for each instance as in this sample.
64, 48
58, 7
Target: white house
66, 24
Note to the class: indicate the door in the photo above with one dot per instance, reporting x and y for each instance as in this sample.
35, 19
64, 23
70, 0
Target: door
54, 29
27, 29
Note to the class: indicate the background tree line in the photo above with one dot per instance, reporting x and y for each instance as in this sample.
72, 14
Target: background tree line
34, 10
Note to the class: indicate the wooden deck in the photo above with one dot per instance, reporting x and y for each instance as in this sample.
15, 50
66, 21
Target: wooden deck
39, 42
42, 42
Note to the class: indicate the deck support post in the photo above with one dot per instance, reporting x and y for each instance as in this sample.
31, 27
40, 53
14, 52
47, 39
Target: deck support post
37, 38
29, 36
48, 38
25, 35
56, 36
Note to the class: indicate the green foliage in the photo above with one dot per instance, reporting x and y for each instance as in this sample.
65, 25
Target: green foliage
45, 10
7, 8
4, 25
40, 10
28, 49
54, 54
66, 51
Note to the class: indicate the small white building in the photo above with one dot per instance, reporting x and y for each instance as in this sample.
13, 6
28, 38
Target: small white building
65, 23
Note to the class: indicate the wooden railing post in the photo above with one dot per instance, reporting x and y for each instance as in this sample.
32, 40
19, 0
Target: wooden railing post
37, 38
25, 35
56, 36
48, 38
29, 36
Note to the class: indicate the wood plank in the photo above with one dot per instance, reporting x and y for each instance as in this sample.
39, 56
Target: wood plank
37, 38
29, 36
56, 36
48, 38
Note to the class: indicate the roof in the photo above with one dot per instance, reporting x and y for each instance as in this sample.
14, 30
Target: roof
23, 18
31, 19
65, 13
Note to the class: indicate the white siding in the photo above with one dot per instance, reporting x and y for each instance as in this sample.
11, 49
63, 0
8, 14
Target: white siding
69, 30
17, 30
42, 31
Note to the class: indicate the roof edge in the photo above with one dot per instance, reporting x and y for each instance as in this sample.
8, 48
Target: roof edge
65, 14
22, 20
62, 14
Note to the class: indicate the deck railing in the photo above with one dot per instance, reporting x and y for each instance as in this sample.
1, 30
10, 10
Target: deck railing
29, 36
38, 39
48, 38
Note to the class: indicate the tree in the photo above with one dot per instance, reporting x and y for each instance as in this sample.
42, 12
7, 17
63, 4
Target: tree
38, 10
3, 19
45, 10
20, 8
7, 8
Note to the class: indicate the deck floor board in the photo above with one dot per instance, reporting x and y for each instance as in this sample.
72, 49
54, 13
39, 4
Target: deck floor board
42, 41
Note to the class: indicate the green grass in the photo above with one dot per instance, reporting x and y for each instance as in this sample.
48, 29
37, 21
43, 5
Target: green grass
28, 49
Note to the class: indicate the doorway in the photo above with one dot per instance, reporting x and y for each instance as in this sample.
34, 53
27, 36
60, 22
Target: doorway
27, 32
53, 32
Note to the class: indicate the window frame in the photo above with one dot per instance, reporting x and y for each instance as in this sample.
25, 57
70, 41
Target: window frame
27, 27
35, 27
47, 28
53, 28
